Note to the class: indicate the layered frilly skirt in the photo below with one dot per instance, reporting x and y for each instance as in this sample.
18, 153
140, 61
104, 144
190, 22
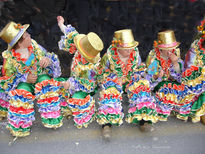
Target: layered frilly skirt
141, 102
21, 106
185, 99
4, 103
82, 102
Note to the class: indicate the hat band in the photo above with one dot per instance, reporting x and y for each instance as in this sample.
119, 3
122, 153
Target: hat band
16, 38
168, 45
125, 45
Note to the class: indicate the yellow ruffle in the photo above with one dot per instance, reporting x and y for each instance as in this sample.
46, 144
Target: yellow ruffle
143, 116
199, 56
195, 119
187, 98
49, 94
3, 114
111, 90
70, 35
181, 117
18, 133
66, 112
161, 118
103, 121
139, 83
25, 105
196, 81
53, 126
173, 97
201, 111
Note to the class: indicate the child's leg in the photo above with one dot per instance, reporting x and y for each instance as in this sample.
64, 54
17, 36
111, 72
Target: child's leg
21, 110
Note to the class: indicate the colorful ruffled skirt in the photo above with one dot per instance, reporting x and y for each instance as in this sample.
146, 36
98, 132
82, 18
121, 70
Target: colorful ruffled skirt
21, 110
4, 103
48, 101
110, 106
64, 96
82, 106
185, 99
142, 104
194, 79
172, 96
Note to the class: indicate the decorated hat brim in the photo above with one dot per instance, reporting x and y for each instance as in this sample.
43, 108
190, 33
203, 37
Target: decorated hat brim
133, 46
77, 39
19, 36
173, 47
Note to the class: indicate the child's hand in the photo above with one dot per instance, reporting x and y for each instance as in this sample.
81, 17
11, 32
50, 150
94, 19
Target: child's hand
31, 78
159, 75
173, 58
60, 20
66, 85
44, 62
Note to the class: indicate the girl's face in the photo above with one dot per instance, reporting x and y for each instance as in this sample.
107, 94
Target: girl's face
125, 53
25, 40
165, 52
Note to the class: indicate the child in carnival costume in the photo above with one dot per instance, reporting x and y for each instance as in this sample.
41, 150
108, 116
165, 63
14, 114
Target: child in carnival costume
121, 71
83, 81
194, 76
165, 66
28, 69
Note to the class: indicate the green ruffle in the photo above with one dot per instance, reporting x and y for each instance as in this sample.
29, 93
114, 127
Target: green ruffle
194, 75
64, 107
42, 78
163, 115
3, 108
19, 129
198, 104
26, 86
110, 118
144, 110
52, 121
60, 79
79, 95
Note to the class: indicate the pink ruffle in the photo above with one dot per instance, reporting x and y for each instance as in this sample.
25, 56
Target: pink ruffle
110, 111
84, 120
4, 103
150, 105
159, 111
54, 114
182, 112
20, 124
64, 103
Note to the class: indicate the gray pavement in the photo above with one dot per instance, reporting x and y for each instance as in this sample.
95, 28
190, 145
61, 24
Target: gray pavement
174, 136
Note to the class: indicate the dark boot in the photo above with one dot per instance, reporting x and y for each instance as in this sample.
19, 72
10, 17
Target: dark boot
145, 126
106, 131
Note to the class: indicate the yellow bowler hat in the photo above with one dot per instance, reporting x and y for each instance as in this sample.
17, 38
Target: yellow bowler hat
167, 40
89, 46
124, 39
12, 32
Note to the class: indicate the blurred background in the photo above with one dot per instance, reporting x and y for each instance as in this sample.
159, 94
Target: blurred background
145, 17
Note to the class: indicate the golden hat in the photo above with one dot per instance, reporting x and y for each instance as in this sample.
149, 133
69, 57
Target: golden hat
167, 40
12, 32
89, 46
124, 39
